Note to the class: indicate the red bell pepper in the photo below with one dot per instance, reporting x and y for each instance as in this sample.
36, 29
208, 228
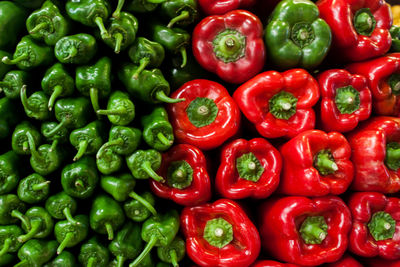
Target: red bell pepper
346, 100
248, 169
316, 163
272, 264
360, 28
219, 7
305, 231
383, 76
376, 225
207, 118
185, 170
230, 45
345, 261
378, 262
279, 104
220, 235
376, 155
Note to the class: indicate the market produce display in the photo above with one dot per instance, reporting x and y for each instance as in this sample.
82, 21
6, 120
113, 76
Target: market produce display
207, 133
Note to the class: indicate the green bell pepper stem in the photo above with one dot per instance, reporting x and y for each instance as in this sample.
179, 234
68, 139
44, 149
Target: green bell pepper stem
103, 31
163, 139
161, 96
144, 202
115, 142
146, 166
118, 9
24, 98
68, 216
184, 56
54, 145
32, 147
143, 64
149, 246
58, 90
73, 51
37, 187
57, 128
6, 246
35, 228
25, 221
118, 42
83, 145
117, 111
110, 231
6, 60
39, 27
91, 262
65, 242
174, 258
120, 261
182, 16
94, 98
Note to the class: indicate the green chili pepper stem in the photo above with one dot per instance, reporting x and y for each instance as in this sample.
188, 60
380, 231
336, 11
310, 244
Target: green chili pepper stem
164, 140
6, 246
68, 216
24, 98
120, 260
73, 51
161, 96
58, 89
118, 111
115, 142
91, 262
56, 129
103, 31
110, 231
79, 183
32, 147
6, 60
25, 146
35, 228
149, 246
142, 65
65, 242
117, 11
94, 98
39, 27
83, 145
53, 145
118, 42
38, 187
184, 56
184, 15
22, 263
25, 221
144, 202
146, 166
174, 258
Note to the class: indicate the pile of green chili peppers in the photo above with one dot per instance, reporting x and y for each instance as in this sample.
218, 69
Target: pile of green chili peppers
82, 87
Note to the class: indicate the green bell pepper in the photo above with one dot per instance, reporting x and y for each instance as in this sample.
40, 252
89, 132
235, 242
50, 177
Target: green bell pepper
10, 207
395, 34
144, 164
65, 259
19, 138
9, 172
70, 234
9, 239
136, 210
36, 252
76, 49
122, 140
94, 254
172, 253
36, 105
122, 31
120, 109
58, 137
295, 35
33, 189
9, 116
37, 223
62, 206
106, 216
180, 12
13, 81
12, 24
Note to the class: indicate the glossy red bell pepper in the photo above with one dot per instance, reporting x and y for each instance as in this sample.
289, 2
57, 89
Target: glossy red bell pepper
376, 225
248, 169
316, 163
345, 100
345, 261
185, 171
279, 104
230, 45
207, 118
305, 231
220, 235
360, 28
378, 262
219, 7
376, 155
383, 76
266, 263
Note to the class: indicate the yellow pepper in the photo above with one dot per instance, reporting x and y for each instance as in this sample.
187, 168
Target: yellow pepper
396, 15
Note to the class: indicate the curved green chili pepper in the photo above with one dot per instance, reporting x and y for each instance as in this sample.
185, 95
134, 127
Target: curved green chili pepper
59, 137
173, 253
94, 254
13, 82
19, 139
33, 189
122, 140
120, 109
10, 207
65, 259
57, 83
36, 105
37, 223
76, 49
12, 24
136, 211
80, 178
36, 252
70, 234
9, 239
122, 31
108, 161
9, 172
180, 12
47, 24
9, 116
61, 206
87, 140
106, 216
144, 164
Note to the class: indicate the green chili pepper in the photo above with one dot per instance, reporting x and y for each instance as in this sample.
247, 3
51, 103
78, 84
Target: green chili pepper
181, 12
57, 83
36, 252
9, 116
47, 24
144, 164
123, 140
8, 239
72, 113
76, 49
136, 211
108, 161
87, 140
44, 160
122, 31
13, 81
121, 188
150, 85
30, 54
174, 40
127, 244
120, 109
157, 130
37, 223
12, 23
95, 80
159, 230
142, 6
9, 174
65, 259
19, 139
80, 178
10, 207
91, 13
33, 189
4, 68
70, 234
94, 254
36, 105
172, 253
106, 216
32, 4
146, 54
62, 206
58, 137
